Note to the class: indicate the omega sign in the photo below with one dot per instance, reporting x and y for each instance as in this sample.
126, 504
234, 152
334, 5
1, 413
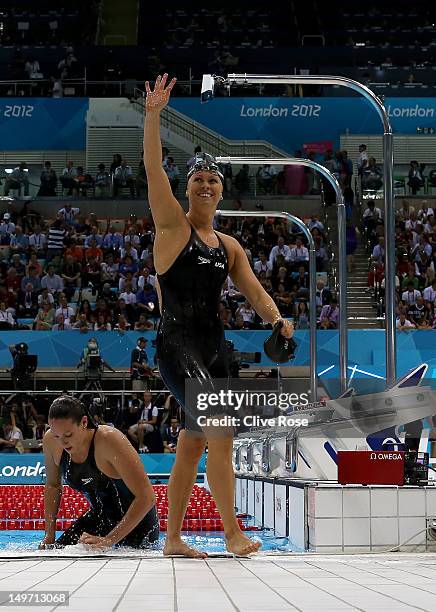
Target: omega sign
386, 456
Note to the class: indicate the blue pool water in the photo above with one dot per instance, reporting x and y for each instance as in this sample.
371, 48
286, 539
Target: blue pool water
212, 542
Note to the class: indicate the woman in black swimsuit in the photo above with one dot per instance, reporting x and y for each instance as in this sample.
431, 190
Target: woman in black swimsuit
192, 262
100, 462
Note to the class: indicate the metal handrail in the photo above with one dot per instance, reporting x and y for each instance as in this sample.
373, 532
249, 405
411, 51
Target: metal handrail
292, 220
209, 140
342, 268
377, 104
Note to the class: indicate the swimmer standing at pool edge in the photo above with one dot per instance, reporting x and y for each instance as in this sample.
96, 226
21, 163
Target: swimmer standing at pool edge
192, 262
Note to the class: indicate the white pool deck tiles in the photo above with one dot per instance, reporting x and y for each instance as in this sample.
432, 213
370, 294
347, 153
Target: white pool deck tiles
302, 582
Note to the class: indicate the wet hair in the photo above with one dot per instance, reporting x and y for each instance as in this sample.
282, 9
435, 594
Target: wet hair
66, 407
205, 163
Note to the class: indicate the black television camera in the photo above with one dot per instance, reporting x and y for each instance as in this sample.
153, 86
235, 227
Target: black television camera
238, 359
24, 365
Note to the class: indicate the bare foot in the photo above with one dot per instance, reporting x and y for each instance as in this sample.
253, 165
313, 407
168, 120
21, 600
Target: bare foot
180, 548
240, 545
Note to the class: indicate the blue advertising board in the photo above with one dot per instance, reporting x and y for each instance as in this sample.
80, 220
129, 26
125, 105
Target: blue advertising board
30, 469
288, 123
43, 124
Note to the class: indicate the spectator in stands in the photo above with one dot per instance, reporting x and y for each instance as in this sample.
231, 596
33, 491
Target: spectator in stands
372, 215
321, 255
329, 315
113, 240
141, 179
56, 236
51, 281
102, 182
299, 254
378, 252
32, 69
411, 294
19, 241
242, 180
302, 316
123, 177
403, 324
429, 294
280, 249
147, 302
69, 214
142, 324
173, 174
266, 178
17, 179
11, 442
146, 423
263, 265
95, 236
62, 324
49, 181
32, 279
27, 305
116, 163
416, 180
171, 436
68, 67
101, 323
6, 319
372, 175
71, 275
84, 181
7, 228
362, 161
67, 177
38, 242
109, 271
44, 320
93, 250
67, 312
419, 314
140, 371
92, 273
284, 300
425, 212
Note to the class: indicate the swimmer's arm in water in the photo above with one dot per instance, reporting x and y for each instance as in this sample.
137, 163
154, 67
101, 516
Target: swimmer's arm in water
125, 460
166, 210
52, 491
245, 280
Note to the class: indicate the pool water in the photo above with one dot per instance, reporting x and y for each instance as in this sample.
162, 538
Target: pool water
211, 542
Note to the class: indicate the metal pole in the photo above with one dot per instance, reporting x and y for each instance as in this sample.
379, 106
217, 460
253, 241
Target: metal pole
312, 277
377, 104
342, 252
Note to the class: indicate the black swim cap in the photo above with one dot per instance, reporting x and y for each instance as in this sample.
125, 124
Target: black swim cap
205, 163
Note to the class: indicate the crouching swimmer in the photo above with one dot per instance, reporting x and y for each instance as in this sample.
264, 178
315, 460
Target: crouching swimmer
101, 463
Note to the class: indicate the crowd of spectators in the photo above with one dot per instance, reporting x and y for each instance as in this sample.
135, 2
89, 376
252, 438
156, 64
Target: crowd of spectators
151, 422
415, 279
81, 273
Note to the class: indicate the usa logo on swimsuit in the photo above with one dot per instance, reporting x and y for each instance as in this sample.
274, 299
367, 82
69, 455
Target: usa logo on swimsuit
219, 264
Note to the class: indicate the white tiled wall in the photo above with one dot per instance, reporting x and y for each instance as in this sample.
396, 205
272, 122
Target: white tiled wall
384, 502
356, 502
297, 523
268, 504
351, 518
